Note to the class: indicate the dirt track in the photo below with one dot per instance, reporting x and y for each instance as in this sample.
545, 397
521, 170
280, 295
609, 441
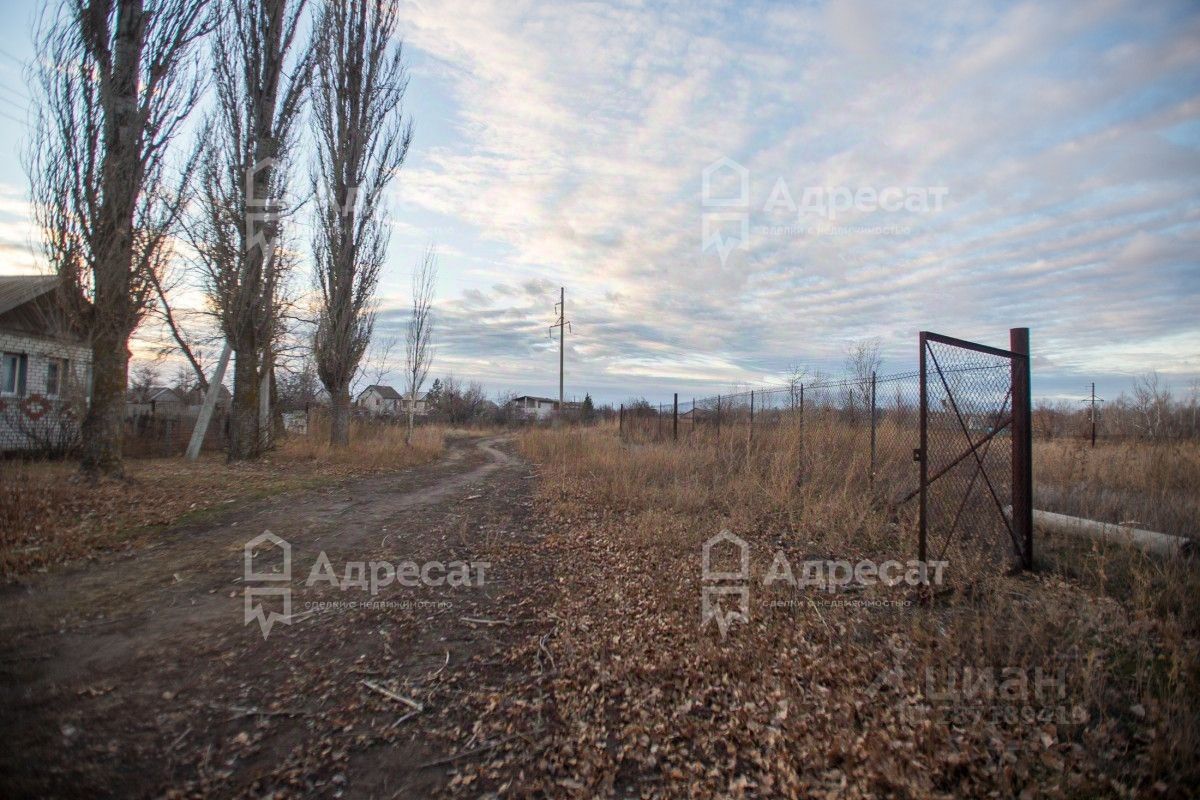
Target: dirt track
138, 676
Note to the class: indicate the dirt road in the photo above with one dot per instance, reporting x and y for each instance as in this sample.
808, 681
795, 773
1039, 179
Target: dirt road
140, 676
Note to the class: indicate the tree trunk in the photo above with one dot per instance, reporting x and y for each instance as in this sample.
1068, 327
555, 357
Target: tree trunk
102, 426
243, 417
412, 411
339, 420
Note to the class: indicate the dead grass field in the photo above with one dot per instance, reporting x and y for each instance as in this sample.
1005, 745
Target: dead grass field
1153, 485
1079, 680
47, 516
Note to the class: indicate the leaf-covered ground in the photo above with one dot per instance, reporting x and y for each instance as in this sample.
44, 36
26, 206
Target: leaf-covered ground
1034, 685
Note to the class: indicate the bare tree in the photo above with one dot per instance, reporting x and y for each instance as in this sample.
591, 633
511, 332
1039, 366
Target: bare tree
378, 365
238, 226
796, 376
1152, 403
863, 360
418, 340
362, 140
143, 381
116, 82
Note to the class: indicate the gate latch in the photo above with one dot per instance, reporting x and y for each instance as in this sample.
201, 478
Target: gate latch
917, 456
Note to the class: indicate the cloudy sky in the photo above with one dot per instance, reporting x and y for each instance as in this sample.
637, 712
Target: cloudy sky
729, 189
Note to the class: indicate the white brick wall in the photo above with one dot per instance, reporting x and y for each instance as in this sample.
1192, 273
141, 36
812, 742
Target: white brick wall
14, 425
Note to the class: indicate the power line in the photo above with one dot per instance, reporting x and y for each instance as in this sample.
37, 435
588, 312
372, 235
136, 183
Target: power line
6, 115
12, 102
19, 61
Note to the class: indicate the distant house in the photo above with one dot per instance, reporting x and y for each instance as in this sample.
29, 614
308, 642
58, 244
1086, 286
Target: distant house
45, 368
528, 406
194, 398
159, 401
380, 401
384, 401
422, 405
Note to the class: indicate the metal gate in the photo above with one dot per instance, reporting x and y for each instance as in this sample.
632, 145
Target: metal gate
975, 453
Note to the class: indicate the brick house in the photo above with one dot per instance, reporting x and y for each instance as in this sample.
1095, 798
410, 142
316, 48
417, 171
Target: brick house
384, 401
379, 401
45, 369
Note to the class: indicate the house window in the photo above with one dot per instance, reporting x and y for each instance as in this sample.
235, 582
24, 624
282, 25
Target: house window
12, 374
56, 371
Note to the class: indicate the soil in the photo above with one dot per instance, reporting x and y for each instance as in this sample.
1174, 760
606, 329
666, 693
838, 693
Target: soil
139, 675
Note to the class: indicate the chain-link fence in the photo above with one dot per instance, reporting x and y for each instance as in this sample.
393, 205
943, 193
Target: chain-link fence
945, 436
873, 418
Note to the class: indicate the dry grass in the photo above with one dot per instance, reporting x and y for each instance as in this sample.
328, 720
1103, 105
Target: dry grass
373, 447
47, 516
1146, 484
825, 693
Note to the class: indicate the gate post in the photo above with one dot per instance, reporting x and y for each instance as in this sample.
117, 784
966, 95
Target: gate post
752, 415
1022, 435
921, 454
621, 422
872, 477
675, 418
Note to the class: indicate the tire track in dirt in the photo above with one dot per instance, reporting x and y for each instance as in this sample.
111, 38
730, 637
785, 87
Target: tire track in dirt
131, 676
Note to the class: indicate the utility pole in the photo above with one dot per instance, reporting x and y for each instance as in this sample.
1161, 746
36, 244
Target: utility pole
563, 326
1093, 402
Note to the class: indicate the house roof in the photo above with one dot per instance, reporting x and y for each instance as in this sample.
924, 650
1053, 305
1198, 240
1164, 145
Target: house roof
386, 392
195, 395
567, 403
17, 290
155, 394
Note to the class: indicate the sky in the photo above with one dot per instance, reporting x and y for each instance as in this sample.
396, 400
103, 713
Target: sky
726, 190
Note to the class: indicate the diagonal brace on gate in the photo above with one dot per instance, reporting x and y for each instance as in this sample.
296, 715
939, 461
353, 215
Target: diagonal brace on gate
974, 450
996, 429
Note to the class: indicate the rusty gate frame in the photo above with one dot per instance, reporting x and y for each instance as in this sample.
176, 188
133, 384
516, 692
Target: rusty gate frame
1019, 522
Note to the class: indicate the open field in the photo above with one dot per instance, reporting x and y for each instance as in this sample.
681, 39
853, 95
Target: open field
1077, 680
47, 516
1152, 485
582, 669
